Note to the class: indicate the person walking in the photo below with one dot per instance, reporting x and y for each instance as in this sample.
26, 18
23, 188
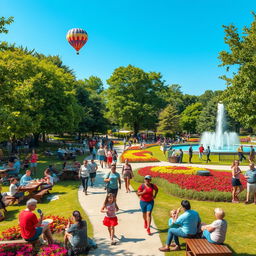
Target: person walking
250, 176
147, 193
33, 162
83, 174
236, 184
190, 154
110, 208
240, 152
180, 156
93, 170
127, 175
208, 153
113, 181
252, 155
201, 152
101, 155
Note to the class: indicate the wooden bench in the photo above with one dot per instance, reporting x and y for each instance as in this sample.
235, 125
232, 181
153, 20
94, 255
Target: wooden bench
10, 200
201, 247
39, 195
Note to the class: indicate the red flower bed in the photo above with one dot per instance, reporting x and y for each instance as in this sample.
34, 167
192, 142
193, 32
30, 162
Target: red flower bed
220, 181
247, 139
193, 140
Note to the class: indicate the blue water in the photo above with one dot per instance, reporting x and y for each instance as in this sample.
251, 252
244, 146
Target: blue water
195, 148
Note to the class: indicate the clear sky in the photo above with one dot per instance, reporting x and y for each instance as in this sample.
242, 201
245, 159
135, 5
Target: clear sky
179, 38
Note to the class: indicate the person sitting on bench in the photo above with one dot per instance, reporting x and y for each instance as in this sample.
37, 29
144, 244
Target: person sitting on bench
216, 231
30, 226
26, 178
13, 190
188, 223
48, 179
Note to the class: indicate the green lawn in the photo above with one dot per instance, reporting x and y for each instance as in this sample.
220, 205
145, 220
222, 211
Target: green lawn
214, 158
241, 220
64, 206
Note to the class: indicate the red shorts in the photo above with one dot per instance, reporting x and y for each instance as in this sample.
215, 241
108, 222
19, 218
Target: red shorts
110, 222
109, 159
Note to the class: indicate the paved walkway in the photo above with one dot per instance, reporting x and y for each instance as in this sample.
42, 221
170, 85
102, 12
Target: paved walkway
131, 236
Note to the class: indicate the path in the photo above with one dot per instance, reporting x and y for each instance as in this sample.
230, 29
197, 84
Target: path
131, 236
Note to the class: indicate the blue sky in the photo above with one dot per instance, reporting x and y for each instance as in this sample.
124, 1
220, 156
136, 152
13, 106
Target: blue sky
179, 38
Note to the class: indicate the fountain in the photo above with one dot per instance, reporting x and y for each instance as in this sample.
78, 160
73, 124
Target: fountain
220, 140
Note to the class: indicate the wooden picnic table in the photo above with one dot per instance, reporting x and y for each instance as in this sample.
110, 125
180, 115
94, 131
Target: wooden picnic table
70, 173
31, 187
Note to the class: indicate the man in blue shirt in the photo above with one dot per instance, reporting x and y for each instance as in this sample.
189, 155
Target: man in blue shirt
250, 175
113, 179
26, 178
188, 223
15, 169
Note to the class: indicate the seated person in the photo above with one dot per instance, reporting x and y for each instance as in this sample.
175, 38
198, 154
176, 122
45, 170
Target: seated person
54, 173
13, 190
76, 164
30, 226
173, 216
216, 231
26, 178
48, 179
2, 206
188, 224
76, 234
14, 168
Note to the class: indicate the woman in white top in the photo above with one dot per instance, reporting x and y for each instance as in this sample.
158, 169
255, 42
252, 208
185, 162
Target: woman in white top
236, 184
216, 232
84, 173
48, 179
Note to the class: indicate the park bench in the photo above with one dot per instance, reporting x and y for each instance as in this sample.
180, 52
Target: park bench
39, 195
201, 247
10, 200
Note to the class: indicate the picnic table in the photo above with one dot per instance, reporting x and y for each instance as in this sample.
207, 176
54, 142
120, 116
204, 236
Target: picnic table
31, 187
69, 173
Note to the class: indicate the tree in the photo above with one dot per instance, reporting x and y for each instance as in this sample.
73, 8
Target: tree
169, 120
190, 116
94, 84
36, 94
133, 97
5, 21
240, 94
207, 96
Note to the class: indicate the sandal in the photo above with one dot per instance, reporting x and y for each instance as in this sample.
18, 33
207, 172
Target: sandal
164, 249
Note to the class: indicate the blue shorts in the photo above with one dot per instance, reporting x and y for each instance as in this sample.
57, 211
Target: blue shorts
38, 233
33, 164
146, 206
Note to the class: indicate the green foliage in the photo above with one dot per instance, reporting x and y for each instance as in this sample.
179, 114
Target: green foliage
190, 116
241, 91
133, 97
94, 84
5, 21
36, 95
169, 120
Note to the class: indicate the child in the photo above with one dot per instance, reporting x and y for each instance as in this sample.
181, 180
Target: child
115, 155
110, 208
174, 215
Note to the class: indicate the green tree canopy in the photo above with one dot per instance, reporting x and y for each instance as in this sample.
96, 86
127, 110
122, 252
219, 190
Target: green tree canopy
133, 97
169, 120
3, 22
241, 91
189, 117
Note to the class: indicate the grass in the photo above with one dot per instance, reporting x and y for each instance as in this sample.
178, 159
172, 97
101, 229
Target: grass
64, 206
195, 160
241, 221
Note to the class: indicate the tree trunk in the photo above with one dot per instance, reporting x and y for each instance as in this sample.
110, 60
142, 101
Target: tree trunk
36, 139
135, 129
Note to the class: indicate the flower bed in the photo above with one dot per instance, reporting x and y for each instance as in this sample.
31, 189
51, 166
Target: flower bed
58, 225
193, 140
185, 178
139, 147
27, 250
138, 156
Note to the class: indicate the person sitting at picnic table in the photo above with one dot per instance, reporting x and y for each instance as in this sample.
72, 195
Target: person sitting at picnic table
48, 179
13, 190
13, 167
216, 231
26, 178
31, 227
76, 234
188, 223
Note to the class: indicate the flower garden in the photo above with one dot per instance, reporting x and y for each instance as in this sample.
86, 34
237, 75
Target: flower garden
57, 226
136, 156
186, 179
145, 146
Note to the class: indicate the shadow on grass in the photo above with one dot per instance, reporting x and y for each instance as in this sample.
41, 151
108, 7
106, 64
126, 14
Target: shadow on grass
10, 215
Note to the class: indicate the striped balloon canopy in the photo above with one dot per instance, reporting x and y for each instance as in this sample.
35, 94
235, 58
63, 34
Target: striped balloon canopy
77, 37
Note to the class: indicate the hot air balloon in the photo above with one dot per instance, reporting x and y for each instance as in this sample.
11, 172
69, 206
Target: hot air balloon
77, 37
